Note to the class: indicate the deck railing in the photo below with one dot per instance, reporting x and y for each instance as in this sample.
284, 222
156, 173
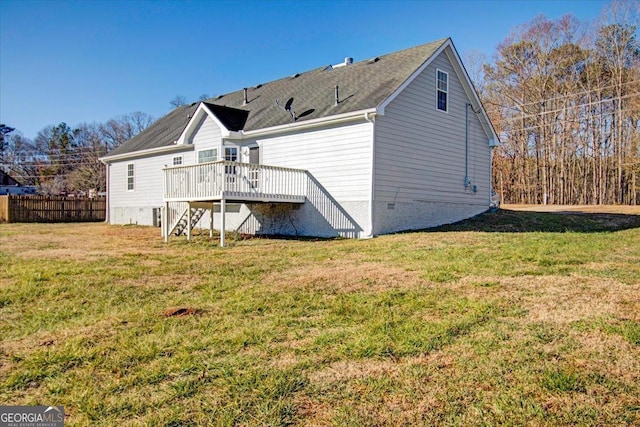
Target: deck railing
234, 181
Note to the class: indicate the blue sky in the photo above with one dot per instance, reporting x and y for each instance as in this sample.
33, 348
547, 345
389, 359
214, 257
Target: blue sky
86, 61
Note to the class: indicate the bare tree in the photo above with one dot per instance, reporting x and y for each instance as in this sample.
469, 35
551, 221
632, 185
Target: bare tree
20, 159
120, 129
178, 101
566, 108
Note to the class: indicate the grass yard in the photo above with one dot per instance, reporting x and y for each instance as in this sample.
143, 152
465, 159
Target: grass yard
513, 318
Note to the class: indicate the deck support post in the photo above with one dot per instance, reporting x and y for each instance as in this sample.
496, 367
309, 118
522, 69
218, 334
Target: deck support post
222, 220
189, 222
211, 221
165, 222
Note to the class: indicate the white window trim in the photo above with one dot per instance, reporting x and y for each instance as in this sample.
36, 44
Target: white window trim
132, 176
232, 148
207, 149
439, 90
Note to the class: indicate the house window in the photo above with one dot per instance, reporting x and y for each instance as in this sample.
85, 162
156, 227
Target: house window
177, 161
231, 154
442, 89
206, 156
130, 177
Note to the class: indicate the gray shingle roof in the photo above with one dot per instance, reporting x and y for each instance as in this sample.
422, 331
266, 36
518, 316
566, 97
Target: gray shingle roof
362, 85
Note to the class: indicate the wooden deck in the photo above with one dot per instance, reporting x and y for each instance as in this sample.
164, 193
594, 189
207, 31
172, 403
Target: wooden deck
234, 181
190, 190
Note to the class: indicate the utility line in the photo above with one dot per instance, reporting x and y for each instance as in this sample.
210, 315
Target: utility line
525, 116
556, 98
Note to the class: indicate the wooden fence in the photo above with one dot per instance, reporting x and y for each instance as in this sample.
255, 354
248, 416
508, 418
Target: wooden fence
15, 208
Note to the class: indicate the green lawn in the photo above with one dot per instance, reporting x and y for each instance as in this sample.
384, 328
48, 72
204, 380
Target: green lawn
512, 318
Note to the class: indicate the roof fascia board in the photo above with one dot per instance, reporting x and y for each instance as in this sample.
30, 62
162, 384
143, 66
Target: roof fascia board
470, 91
144, 153
193, 123
412, 77
322, 121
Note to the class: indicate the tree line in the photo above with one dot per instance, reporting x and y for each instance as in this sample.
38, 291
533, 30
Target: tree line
65, 160
564, 97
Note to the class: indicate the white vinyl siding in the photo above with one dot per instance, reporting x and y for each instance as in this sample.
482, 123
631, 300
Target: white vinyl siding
130, 177
420, 154
207, 137
148, 189
338, 157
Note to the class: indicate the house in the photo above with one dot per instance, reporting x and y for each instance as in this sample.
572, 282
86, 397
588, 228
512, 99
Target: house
357, 149
8, 185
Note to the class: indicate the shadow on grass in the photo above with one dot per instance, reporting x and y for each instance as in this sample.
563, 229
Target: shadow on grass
508, 221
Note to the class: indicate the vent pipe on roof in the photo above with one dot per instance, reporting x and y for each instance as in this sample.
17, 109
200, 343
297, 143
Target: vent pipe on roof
347, 61
244, 99
337, 97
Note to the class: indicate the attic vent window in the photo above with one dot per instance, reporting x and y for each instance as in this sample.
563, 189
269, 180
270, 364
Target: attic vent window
442, 89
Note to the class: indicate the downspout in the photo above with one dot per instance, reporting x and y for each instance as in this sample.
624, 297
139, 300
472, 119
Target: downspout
370, 117
107, 214
466, 145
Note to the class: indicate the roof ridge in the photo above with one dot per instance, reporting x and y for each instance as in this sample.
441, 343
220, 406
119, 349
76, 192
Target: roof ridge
324, 67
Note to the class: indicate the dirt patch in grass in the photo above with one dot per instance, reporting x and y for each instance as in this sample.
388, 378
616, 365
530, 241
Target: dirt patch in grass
181, 312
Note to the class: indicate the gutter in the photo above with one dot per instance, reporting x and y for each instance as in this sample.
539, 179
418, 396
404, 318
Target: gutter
144, 153
307, 124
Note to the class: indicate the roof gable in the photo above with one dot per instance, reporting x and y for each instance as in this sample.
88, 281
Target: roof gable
232, 119
452, 55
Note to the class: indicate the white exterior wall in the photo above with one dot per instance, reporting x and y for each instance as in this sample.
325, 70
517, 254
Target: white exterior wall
136, 206
420, 157
205, 137
338, 159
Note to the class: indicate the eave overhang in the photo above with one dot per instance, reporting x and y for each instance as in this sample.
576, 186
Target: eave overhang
144, 153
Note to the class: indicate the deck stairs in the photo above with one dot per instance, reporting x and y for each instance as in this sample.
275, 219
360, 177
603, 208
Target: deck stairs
181, 225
